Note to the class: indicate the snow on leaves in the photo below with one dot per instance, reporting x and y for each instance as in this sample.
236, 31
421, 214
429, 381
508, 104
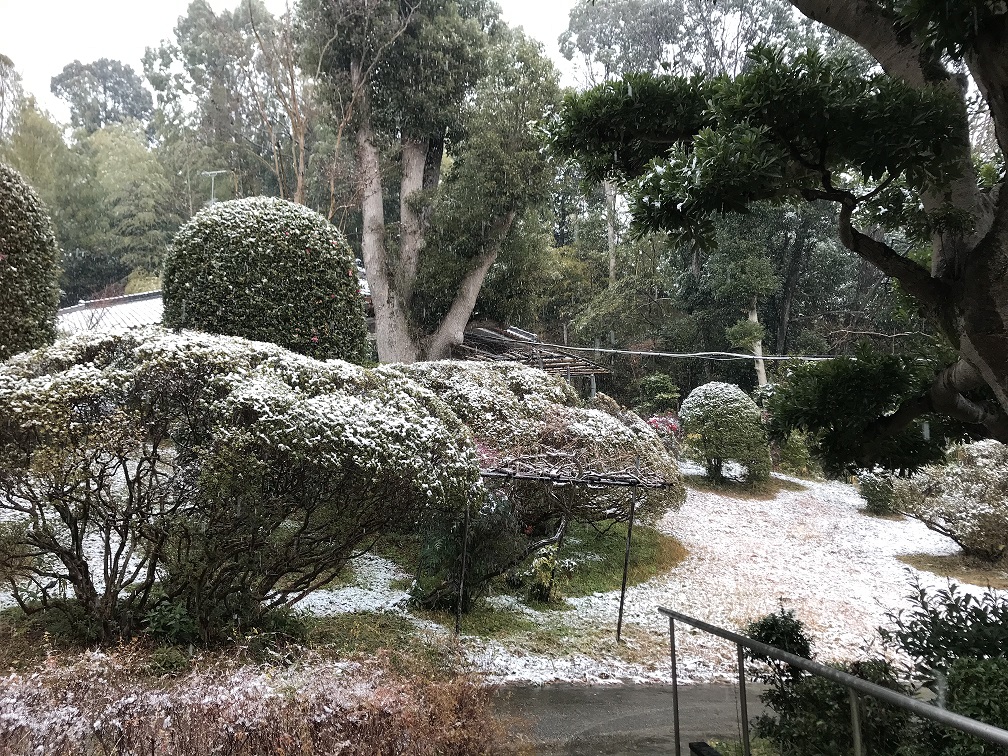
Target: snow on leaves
967, 499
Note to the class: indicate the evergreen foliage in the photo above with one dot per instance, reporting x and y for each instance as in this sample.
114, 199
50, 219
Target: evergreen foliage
658, 394
222, 478
723, 424
29, 267
876, 488
831, 402
888, 145
809, 715
266, 269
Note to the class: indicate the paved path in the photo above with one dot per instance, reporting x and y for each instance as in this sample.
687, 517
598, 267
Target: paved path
625, 719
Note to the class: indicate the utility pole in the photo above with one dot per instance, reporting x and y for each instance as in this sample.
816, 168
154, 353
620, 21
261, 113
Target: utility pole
213, 175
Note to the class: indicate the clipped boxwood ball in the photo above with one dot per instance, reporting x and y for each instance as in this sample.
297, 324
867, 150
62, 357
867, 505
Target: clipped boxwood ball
722, 423
269, 270
29, 267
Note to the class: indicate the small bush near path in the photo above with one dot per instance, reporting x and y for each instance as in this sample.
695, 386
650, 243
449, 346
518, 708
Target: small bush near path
876, 488
966, 499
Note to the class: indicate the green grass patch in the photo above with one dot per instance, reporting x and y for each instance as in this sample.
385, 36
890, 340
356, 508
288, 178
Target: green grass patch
768, 489
597, 557
359, 633
484, 621
962, 569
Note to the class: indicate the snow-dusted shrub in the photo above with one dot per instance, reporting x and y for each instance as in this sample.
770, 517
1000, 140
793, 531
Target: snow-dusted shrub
793, 455
266, 269
669, 430
29, 267
523, 419
723, 424
238, 474
876, 488
98, 704
966, 499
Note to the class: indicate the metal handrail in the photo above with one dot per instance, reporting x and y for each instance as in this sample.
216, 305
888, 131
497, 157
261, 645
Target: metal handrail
959, 722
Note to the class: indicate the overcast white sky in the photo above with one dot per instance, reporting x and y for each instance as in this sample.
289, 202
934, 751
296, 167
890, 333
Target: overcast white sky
42, 36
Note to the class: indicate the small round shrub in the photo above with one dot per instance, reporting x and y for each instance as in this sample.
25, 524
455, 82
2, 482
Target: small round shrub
876, 489
266, 269
966, 499
29, 267
722, 423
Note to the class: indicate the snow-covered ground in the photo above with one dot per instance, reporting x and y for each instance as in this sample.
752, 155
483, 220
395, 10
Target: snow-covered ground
811, 549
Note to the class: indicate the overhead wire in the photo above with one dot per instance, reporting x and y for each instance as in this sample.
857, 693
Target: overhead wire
717, 356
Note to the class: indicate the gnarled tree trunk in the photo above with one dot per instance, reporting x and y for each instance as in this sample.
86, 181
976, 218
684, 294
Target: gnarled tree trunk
966, 290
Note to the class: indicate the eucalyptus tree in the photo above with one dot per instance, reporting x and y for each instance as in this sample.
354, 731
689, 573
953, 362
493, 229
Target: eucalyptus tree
102, 93
439, 99
223, 84
11, 93
889, 148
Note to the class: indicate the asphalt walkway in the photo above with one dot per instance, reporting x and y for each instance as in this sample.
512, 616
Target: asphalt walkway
565, 720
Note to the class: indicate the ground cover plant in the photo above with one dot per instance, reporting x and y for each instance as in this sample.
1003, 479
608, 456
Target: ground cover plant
29, 267
270, 270
97, 704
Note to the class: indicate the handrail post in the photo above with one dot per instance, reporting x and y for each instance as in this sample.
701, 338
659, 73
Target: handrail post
675, 685
626, 568
988, 732
855, 717
746, 747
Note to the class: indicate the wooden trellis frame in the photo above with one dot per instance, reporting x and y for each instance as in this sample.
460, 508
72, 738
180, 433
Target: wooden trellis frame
544, 469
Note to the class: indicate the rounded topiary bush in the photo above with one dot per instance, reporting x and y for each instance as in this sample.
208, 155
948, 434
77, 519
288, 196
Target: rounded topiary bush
723, 424
29, 267
266, 269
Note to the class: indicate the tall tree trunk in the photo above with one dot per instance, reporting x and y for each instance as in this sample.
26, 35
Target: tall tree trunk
787, 295
453, 326
393, 334
411, 224
610, 200
757, 348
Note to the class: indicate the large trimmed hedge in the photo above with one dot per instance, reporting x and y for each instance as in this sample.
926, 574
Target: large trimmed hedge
29, 267
223, 478
269, 270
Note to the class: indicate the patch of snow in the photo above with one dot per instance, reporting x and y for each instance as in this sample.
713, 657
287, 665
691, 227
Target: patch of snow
372, 592
812, 551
